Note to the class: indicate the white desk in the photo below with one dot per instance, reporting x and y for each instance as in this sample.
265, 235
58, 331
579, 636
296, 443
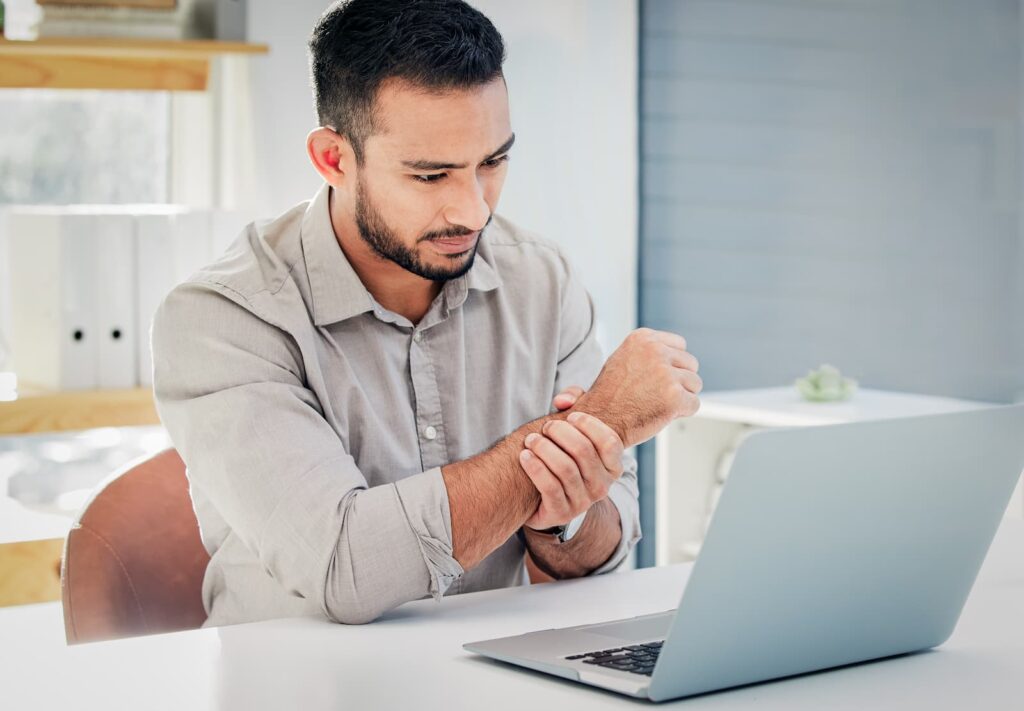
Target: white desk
413, 660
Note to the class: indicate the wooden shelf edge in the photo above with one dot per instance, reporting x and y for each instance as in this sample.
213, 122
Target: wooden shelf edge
114, 63
30, 572
77, 410
128, 47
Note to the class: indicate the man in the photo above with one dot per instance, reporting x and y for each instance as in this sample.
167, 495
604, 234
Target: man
360, 388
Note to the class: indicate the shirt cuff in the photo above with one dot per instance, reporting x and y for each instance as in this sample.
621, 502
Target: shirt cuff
424, 500
629, 518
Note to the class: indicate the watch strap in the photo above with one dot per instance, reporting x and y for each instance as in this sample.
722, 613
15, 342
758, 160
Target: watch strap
564, 533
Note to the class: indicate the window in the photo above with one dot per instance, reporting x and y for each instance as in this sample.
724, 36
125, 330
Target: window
100, 147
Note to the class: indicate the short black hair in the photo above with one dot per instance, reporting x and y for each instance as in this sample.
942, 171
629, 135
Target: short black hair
358, 44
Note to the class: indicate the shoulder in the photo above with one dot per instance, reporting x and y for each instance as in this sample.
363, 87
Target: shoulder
262, 261
524, 256
541, 287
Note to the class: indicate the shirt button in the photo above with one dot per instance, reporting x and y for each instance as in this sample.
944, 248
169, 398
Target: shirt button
430, 432
417, 336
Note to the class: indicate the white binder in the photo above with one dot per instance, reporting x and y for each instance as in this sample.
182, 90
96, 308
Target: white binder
5, 302
54, 335
112, 235
85, 282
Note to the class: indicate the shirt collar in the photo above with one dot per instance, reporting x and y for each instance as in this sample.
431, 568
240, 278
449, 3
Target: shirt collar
337, 292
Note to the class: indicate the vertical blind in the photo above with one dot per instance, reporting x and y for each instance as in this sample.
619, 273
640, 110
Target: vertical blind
834, 181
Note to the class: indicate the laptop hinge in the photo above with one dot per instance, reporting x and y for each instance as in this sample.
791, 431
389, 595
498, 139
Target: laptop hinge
614, 682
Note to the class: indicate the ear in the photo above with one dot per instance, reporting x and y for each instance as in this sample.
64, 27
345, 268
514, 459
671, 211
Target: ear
332, 155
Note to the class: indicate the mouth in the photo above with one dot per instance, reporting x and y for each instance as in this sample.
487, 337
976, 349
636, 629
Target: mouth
454, 245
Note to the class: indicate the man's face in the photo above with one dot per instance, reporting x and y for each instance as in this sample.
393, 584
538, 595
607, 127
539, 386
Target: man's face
432, 175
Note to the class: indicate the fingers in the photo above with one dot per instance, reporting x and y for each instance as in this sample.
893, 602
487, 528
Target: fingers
570, 440
693, 405
690, 380
553, 500
592, 446
673, 340
603, 438
688, 403
685, 366
567, 398
564, 467
683, 360
673, 348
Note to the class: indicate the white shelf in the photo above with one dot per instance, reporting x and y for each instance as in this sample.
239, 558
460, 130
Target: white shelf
783, 407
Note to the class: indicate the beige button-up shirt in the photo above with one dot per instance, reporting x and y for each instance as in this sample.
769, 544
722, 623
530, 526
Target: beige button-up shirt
314, 422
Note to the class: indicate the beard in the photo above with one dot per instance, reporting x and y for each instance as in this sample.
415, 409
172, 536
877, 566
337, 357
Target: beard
386, 245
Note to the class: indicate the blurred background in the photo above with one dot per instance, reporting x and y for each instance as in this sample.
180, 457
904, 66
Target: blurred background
787, 183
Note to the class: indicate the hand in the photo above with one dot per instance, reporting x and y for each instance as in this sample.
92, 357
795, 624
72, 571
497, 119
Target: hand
647, 382
567, 398
572, 464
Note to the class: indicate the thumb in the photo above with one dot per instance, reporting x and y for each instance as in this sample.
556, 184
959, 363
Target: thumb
567, 398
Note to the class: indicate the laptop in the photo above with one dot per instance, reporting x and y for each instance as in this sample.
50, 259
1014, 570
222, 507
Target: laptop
830, 545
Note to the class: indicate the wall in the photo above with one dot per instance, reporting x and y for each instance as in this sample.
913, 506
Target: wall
835, 182
282, 103
1019, 312
572, 75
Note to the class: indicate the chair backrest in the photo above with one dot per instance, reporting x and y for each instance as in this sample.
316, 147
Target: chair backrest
133, 562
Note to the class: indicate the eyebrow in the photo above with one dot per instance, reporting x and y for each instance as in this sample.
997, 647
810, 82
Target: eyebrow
434, 165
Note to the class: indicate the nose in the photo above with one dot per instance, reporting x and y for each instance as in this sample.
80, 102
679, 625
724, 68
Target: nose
467, 207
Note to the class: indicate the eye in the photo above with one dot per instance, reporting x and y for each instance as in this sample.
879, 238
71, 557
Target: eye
429, 178
495, 162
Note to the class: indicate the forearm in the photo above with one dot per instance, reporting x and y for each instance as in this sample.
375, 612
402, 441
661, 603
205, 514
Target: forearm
592, 546
490, 497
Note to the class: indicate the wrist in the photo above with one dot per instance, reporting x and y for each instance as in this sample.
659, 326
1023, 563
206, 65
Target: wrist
563, 533
598, 408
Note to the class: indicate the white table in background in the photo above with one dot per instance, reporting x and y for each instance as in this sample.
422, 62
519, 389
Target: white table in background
412, 660
694, 454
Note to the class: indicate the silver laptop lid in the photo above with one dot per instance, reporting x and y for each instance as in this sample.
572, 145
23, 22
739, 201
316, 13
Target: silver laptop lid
838, 544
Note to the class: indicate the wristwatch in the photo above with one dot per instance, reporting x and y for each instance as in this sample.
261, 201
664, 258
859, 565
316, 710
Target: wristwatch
566, 532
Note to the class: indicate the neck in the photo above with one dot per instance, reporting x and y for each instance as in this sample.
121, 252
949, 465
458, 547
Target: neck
391, 286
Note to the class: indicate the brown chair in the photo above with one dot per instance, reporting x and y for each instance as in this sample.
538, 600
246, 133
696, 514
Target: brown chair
134, 563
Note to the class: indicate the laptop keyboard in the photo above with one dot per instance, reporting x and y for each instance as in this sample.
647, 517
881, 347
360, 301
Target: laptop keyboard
636, 658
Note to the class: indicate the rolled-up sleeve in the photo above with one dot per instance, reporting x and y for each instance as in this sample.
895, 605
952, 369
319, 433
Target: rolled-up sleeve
229, 388
579, 363
624, 495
